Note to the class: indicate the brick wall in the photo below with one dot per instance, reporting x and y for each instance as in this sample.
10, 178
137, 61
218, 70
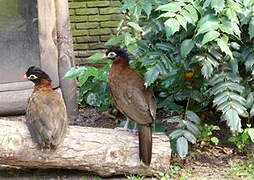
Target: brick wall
93, 22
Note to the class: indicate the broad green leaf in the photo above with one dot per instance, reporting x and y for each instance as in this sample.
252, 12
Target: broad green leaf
241, 110
92, 71
249, 61
224, 46
171, 26
137, 11
116, 40
92, 100
250, 100
233, 120
74, 72
215, 140
192, 11
231, 14
207, 3
209, 36
217, 78
221, 87
212, 61
172, 6
146, 6
83, 76
251, 28
252, 111
193, 117
207, 68
197, 96
251, 133
182, 21
173, 119
135, 26
187, 16
226, 26
127, 39
227, 95
167, 14
208, 17
192, 127
209, 25
248, 3
236, 28
151, 75
182, 146
176, 133
218, 5
186, 47
95, 57
221, 98
190, 137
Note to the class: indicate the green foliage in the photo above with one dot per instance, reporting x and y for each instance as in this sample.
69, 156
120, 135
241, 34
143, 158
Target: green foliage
135, 177
93, 84
194, 54
172, 172
244, 138
210, 39
243, 169
186, 131
205, 137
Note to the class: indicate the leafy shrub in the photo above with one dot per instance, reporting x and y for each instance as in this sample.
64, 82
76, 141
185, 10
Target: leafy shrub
93, 83
205, 137
244, 138
194, 54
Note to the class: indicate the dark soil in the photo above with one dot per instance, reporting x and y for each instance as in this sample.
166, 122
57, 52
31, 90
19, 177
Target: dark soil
209, 162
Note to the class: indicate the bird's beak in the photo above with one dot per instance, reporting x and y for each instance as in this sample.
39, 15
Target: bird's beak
104, 57
131, 56
24, 77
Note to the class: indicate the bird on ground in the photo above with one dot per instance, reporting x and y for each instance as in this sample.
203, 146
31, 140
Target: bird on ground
132, 98
46, 115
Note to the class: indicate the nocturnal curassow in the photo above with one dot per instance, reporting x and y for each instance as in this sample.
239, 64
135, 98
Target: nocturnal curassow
132, 98
46, 115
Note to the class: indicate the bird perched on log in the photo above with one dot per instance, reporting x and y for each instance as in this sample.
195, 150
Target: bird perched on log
46, 115
132, 98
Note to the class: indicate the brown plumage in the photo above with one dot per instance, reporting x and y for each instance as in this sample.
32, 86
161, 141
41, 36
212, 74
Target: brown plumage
132, 98
46, 115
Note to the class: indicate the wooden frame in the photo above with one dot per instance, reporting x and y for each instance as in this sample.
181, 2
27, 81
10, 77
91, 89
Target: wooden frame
56, 58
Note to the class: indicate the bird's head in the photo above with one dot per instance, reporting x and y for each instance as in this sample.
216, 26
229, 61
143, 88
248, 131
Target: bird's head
35, 75
115, 52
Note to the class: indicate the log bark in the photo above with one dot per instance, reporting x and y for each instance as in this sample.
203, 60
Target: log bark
14, 102
48, 39
101, 151
66, 57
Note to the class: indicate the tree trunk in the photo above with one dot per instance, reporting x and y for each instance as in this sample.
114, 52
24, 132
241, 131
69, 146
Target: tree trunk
66, 58
101, 151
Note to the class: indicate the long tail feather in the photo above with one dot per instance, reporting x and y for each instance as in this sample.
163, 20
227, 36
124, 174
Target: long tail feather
145, 143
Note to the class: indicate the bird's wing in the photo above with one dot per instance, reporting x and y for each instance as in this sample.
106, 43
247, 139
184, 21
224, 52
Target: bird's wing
46, 116
133, 99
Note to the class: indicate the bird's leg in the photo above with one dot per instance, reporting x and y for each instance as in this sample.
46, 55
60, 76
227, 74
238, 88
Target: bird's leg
126, 125
135, 129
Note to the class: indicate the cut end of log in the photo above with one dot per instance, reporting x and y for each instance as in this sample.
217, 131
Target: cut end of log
105, 152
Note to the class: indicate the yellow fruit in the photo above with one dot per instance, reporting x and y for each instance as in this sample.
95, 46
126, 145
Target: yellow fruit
189, 75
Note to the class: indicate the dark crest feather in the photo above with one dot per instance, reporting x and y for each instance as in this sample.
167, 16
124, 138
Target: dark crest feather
38, 72
119, 51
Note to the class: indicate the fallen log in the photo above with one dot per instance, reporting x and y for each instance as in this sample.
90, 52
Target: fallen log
101, 151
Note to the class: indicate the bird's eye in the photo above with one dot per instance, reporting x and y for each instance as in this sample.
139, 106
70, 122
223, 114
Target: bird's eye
111, 55
32, 77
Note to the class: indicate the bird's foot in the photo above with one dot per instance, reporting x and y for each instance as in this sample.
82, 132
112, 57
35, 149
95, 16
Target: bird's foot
126, 129
123, 129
